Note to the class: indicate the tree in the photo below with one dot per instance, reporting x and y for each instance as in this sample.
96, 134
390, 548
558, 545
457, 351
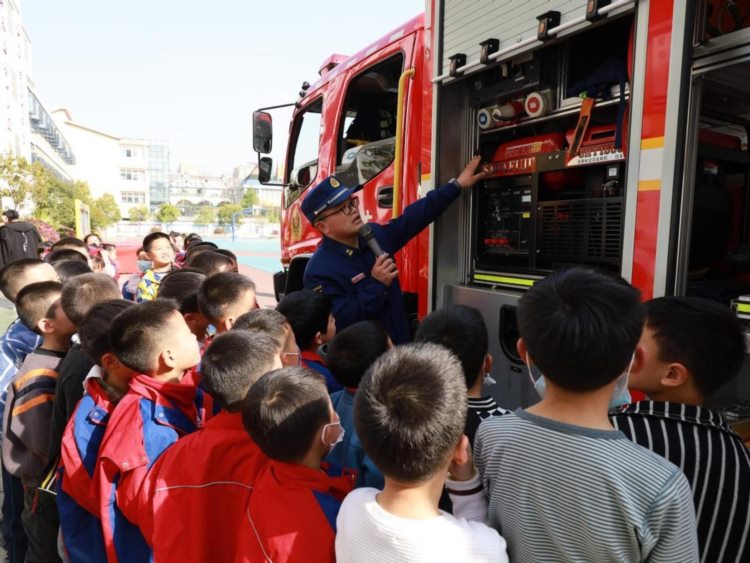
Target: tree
224, 215
249, 198
274, 215
16, 178
138, 213
167, 214
206, 216
105, 212
58, 205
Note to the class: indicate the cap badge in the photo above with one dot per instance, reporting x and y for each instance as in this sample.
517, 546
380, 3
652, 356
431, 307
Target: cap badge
335, 183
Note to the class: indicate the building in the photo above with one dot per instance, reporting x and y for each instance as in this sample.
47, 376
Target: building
15, 73
134, 171
190, 189
48, 145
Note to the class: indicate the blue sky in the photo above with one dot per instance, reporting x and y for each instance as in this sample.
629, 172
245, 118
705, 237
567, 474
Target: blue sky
192, 72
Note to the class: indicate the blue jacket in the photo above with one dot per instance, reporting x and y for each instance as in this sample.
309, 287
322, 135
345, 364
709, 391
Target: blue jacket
17, 343
343, 273
350, 452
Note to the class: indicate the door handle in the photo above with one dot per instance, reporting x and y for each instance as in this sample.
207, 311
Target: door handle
384, 197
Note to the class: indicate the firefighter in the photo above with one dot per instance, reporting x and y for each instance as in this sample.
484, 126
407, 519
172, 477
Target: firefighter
361, 285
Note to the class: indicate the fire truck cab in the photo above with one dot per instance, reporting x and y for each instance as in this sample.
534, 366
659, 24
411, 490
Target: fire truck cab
367, 120
615, 134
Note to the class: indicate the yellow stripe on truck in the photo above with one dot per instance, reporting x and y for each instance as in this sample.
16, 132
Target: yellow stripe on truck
520, 282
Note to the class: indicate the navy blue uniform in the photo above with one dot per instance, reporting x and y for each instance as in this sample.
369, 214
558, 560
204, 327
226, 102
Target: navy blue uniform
343, 273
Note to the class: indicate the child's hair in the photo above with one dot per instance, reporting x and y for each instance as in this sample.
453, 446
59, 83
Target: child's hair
137, 331
71, 242
221, 290
182, 286
307, 312
702, 335
67, 269
229, 254
12, 276
353, 350
94, 330
197, 248
149, 239
233, 362
462, 330
61, 254
35, 302
108, 246
581, 327
210, 263
410, 411
98, 263
192, 238
269, 321
83, 292
285, 410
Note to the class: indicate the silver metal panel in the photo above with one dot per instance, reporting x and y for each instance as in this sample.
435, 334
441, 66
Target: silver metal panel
466, 22
513, 388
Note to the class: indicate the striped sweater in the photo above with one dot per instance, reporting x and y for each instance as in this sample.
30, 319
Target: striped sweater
715, 461
28, 415
559, 492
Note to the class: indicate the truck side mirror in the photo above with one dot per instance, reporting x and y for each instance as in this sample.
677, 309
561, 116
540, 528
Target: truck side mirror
265, 166
262, 132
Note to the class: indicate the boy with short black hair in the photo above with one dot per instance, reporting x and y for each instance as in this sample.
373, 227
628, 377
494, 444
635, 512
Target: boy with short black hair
292, 510
17, 342
210, 263
232, 256
350, 354
153, 340
28, 413
160, 251
559, 465
72, 243
225, 297
63, 254
691, 347
205, 479
67, 269
463, 331
271, 322
410, 412
106, 383
183, 286
310, 315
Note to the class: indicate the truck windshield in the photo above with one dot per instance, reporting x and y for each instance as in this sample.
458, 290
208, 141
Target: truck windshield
303, 156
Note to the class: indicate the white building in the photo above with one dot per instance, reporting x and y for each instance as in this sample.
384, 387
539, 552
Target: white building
48, 144
189, 190
15, 75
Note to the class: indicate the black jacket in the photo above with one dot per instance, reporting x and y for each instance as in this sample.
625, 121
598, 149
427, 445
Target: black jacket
18, 240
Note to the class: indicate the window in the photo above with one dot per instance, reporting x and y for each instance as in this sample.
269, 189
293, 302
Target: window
133, 198
303, 159
367, 134
126, 174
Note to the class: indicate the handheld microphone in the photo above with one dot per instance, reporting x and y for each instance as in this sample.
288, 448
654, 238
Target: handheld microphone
365, 231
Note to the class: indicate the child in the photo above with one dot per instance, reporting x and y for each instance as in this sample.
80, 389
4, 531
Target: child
108, 253
72, 243
691, 347
210, 263
273, 323
26, 420
309, 314
204, 480
106, 383
67, 269
562, 484
292, 510
161, 253
154, 341
410, 412
17, 342
232, 256
350, 354
462, 330
183, 286
225, 297
130, 286
64, 254
79, 295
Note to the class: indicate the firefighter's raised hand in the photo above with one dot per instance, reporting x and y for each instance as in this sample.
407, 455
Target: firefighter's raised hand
469, 176
384, 270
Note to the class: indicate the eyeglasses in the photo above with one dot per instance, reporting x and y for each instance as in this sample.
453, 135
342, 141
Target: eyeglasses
349, 208
291, 359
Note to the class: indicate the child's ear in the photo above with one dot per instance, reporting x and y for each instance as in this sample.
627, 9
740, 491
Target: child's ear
488, 362
228, 323
46, 326
168, 358
462, 453
676, 375
317, 339
521, 349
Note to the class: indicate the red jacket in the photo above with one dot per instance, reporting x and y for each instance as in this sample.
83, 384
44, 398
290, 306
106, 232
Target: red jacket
199, 490
150, 417
291, 516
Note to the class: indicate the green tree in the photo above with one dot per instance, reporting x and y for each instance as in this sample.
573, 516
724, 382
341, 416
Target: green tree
105, 212
249, 198
224, 215
167, 214
206, 216
274, 215
58, 204
138, 213
16, 178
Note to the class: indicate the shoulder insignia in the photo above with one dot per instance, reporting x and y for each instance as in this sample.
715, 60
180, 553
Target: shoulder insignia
318, 288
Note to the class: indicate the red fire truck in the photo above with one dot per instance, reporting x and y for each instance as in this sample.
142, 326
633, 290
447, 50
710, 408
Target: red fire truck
615, 133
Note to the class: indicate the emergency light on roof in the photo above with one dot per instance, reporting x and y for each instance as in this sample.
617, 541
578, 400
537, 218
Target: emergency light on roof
330, 63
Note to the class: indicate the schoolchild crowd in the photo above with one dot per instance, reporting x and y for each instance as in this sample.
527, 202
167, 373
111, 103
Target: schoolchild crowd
190, 425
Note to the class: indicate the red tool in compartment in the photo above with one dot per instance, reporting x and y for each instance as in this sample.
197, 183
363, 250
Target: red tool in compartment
519, 156
598, 145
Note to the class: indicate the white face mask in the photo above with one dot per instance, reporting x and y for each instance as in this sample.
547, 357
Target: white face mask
620, 395
338, 440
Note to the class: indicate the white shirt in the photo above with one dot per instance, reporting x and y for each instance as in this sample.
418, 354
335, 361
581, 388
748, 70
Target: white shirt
367, 533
